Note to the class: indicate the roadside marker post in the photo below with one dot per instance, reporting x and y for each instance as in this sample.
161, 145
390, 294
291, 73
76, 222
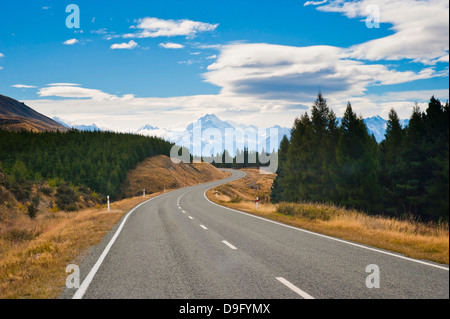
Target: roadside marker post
256, 202
143, 193
107, 199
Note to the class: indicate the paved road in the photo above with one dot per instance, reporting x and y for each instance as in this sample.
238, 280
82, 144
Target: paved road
180, 245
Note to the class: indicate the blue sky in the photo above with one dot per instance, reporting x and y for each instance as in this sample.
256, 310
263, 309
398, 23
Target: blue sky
166, 63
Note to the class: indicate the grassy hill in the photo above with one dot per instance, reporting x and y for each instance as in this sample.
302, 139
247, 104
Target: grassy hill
16, 116
159, 172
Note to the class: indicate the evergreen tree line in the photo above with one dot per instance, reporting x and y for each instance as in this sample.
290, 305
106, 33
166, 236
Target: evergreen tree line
98, 160
405, 175
242, 159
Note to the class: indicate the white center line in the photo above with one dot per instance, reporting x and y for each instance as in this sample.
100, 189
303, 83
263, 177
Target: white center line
294, 288
190, 217
228, 244
203, 227
183, 212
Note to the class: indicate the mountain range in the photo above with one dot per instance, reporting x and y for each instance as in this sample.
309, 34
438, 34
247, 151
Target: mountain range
69, 125
15, 115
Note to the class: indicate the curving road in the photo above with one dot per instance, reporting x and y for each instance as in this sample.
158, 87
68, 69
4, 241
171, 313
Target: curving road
181, 245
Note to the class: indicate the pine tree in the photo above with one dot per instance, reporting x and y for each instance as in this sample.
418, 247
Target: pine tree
390, 155
358, 165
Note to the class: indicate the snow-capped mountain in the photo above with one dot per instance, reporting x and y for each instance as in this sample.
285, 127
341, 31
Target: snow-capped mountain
90, 128
218, 135
211, 135
376, 125
149, 130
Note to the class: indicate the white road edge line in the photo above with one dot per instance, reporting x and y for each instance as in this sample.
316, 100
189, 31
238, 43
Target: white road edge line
228, 244
203, 227
294, 288
87, 281
329, 237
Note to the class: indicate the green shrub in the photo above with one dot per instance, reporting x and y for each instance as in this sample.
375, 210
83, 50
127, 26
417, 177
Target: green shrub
19, 235
308, 211
48, 191
66, 198
21, 190
32, 211
236, 199
286, 209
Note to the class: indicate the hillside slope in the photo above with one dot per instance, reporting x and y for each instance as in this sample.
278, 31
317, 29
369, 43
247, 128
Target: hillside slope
16, 116
159, 172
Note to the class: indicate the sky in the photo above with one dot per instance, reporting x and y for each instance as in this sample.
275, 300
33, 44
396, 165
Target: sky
167, 63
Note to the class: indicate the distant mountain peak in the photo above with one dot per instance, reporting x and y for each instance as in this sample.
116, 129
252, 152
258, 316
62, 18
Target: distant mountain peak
376, 117
148, 127
91, 128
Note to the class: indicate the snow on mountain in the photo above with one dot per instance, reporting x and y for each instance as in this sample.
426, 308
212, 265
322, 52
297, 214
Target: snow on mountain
211, 135
376, 126
217, 135
89, 128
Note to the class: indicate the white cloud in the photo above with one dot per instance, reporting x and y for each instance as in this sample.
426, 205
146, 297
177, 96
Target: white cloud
1, 55
100, 31
67, 91
212, 57
421, 28
128, 46
154, 27
170, 45
188, 62
298, 73
314, 3
23, 86
70, 42
208, 46
45, 8
87, 106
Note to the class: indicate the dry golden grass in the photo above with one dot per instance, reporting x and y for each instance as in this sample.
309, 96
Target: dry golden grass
34, 253
248, 188
409, 237
158, 172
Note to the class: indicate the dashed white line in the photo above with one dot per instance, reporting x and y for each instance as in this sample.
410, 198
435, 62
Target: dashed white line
331, 238
190, 217
294, 288
203, 227
228, 244
183, 212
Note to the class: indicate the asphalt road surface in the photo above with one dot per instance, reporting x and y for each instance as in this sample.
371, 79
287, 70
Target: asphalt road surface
181, 245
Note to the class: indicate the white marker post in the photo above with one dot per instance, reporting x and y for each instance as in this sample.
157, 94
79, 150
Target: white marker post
107, 199
256, 202
216, 195
143, 193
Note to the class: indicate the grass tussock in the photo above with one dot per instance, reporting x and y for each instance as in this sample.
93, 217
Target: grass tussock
408, 236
